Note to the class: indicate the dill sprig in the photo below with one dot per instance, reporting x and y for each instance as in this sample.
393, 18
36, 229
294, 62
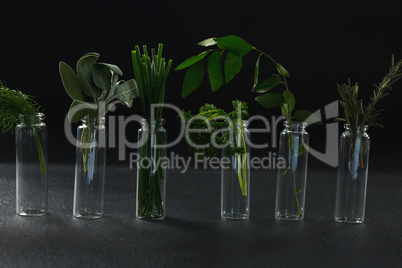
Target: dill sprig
12, 104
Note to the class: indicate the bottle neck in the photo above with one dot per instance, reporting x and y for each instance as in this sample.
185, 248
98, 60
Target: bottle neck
155, 124
31, 119
94, 121
295, 126
355, 129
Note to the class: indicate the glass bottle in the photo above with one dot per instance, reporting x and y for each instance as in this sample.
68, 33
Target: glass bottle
292, 176
352, 175
90, 169
151, 174
31, 167
235, 175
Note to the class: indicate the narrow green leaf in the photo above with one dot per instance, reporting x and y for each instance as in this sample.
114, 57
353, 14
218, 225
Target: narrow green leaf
289, 100
233, 64
282, 71
207, 42
270, 100
71, 82
190, 61
234, 44
268, 84
215, 70
307, 116
193, 79
256, 71
286, 171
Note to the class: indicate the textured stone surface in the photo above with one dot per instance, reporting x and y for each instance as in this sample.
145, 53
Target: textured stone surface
193, 232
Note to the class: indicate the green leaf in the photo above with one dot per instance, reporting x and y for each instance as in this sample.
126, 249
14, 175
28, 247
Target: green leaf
207, 42
268, 84
233, 64
301, 149
79, 109
256, 71
193, 79
282, 71
71, 82
115, 69
270, 100
84, 70
234, 44
298, 190
215, 70
289, 100
190, 61
102, 76
126, 92
307, 116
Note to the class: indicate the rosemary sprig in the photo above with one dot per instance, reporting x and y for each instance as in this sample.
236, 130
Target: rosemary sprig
358, 115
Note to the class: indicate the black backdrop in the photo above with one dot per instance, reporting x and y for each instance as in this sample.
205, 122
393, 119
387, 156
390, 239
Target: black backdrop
321, 44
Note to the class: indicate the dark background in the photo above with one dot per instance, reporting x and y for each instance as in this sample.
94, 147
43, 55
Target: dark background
321, 44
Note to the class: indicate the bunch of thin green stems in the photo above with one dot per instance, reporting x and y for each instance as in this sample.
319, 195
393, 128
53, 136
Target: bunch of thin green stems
15, 103
356, 114
150, 74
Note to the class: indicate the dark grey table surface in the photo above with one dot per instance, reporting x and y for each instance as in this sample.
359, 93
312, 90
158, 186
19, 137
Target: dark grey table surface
193, 234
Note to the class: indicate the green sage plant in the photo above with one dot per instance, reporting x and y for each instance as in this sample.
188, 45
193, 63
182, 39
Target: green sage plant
356, 114
215, 120
223, 61
14, 103
94, 89
151, 72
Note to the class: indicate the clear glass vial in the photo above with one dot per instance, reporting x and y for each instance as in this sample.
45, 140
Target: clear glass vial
90, 168
351, 185
31, 165
235, 176
151, 174
291, 179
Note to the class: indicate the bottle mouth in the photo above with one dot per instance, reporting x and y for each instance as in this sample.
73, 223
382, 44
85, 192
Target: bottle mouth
295, 125
93, 120
354, 127
31, 119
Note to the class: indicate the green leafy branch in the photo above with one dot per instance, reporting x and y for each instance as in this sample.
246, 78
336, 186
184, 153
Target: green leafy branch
94, 88
15, 103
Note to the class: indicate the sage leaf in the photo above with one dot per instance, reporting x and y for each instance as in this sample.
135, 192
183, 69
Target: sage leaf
84, 70
268, 84
207, 42
79, 109
102, 76
233, 64
193, 79
282, 71
215, 70
126, 92
115, 69
270, 100
234, 44
190, 61
71, 82
307, 116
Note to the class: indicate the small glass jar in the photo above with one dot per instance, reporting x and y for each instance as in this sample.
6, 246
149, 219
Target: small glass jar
151, 174
31, 167
235, 175
291, 179
351, 185
90, 168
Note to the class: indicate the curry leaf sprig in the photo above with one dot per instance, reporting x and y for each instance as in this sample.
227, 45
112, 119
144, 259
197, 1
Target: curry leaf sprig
94, 89
14, 103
